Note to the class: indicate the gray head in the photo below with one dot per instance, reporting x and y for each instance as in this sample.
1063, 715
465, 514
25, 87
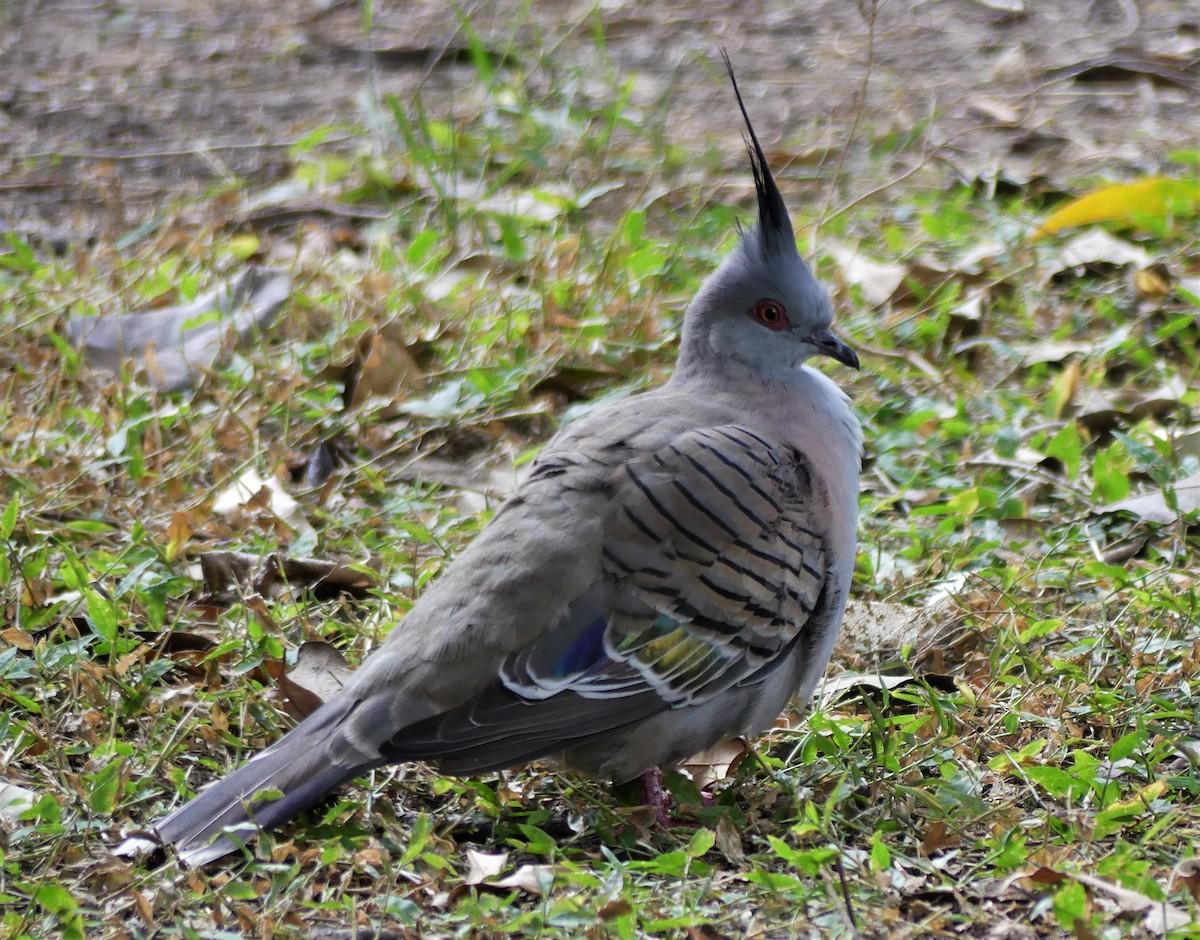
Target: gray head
762, 306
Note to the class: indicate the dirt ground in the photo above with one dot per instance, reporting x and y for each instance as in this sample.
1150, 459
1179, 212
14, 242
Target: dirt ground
110, 110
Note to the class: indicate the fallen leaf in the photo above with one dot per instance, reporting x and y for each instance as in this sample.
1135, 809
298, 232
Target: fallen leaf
1158, 916
1153, 282
1095, 250
1186, 441
1123, 67
717, 762
881, 625
937, 837
15, 636
995, 110
172, 345
320, 673
1102, 409
576, 383
1153, 198
14, 800
835, 688
706, 932
144, 908
876, 279
483, 865
1054, 351
1153, 507
1187, 872
383, 367
1009, 8
729, 842
229, 576
532, 879
251, 490
614, 909
490, 477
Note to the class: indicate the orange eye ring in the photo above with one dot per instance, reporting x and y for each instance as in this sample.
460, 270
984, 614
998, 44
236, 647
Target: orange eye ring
770, 313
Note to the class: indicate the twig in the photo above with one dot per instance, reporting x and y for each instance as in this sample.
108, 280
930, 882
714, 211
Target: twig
846, 893
868, 9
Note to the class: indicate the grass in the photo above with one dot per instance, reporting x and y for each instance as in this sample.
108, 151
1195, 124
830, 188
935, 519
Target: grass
537, 256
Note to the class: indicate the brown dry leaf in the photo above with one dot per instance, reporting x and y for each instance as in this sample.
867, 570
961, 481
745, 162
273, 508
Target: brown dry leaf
927, 273
15, 636
182, 646
483, 865
320, 673
1187, 872
480, 482
383, 367
1161, 68
325, 457
324, 578
995, 110
642, 818
1152, 507
614, 909
705, 932
937, 837
221, 572
228, 576
144, 908
178, 532
729, 842
717, 762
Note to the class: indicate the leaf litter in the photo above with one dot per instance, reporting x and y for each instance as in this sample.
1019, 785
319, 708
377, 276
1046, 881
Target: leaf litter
909, 774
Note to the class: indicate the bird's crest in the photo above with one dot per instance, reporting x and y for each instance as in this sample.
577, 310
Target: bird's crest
774, 225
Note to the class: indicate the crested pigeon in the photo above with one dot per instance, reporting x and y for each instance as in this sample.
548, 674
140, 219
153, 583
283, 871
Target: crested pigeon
672, 572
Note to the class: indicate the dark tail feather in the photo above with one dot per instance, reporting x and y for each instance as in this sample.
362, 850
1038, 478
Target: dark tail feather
299, 765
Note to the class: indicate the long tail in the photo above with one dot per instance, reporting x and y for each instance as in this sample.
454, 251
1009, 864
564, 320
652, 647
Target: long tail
346, 737
300, 766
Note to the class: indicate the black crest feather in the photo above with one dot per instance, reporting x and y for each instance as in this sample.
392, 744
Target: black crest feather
774, 225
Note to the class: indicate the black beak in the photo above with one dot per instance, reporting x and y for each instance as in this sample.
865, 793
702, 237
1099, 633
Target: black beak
829, 345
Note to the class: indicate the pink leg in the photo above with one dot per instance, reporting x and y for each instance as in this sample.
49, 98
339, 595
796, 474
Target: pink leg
653, 795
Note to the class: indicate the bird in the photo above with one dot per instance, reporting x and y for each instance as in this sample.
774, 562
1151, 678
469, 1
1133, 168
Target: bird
672, 572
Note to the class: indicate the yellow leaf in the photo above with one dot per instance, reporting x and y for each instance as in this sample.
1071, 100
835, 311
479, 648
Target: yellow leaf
243, 246
1154, 197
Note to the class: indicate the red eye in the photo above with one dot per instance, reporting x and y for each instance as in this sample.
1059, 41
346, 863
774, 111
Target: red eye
770, 314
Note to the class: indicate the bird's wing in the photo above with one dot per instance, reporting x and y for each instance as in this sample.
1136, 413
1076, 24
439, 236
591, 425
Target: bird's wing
713, 561
704, 570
